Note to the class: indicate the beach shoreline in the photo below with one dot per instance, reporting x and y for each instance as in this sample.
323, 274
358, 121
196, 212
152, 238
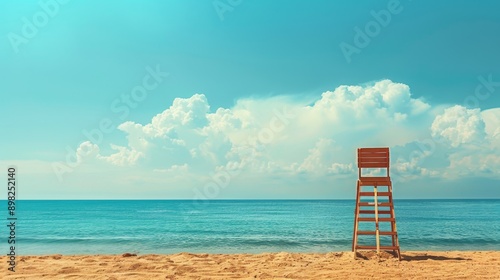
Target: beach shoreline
283, 265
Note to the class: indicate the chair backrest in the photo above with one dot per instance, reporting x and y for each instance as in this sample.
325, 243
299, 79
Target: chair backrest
373, 158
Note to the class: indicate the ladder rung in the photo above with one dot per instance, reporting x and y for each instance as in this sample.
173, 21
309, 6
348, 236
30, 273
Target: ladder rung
373, 204
385, 212
373, 219
375, 233
363, 247
373, 193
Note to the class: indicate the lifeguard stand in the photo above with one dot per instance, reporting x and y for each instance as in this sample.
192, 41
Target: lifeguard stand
374, 207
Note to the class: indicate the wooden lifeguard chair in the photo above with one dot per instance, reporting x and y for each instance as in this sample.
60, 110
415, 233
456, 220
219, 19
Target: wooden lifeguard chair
374, 207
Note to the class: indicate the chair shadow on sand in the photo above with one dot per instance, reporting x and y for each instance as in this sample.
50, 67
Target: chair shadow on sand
425, 257
404, 257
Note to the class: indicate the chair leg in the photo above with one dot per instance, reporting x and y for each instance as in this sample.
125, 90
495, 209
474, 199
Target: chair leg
356, 216
394, 228
393, 223
377, 232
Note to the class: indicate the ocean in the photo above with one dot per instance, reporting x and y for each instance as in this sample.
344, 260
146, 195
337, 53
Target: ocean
239, 226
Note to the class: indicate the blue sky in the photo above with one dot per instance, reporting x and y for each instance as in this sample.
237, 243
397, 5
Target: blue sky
259, 93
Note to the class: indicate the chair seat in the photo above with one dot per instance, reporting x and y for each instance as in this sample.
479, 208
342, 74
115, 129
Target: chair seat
375, 179
370, 181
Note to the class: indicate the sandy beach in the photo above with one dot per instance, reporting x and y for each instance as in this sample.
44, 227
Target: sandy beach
335, 265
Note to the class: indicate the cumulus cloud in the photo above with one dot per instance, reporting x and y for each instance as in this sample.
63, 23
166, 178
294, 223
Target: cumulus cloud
459, 125
491, 118
282, 136
123, 156
175, 169
411, 166
318, 157
190, 112
471, 164
87, 150
341, 168
384, 100
322, 160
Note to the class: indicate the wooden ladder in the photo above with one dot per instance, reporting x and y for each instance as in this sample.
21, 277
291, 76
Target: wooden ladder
373, 205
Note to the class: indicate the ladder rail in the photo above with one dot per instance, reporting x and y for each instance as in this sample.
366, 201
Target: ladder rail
377, 235
356, 217
395, 239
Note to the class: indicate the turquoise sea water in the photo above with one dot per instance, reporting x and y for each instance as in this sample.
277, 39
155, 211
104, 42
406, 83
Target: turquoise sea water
241, 226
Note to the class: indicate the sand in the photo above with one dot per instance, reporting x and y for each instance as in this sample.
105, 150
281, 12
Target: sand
340, 265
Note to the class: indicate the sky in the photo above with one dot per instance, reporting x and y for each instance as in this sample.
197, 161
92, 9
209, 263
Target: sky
222, 99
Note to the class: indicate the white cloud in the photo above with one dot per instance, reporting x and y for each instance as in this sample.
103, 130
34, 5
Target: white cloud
404, 169
459, 125
322, 160
341, 168
281, 137
87, 150
190, 112
319, 157
474, 165
175, 169
384, 100
469, 139
491, 119
123, 157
